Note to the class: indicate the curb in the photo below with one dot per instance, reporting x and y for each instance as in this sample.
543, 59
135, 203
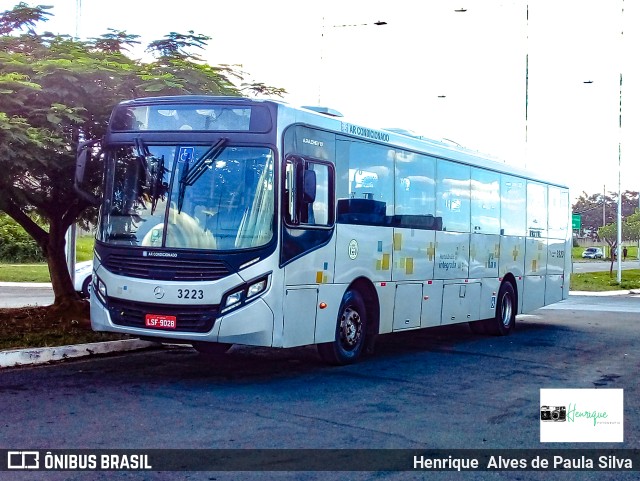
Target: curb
604, 293
25, 284
43, 355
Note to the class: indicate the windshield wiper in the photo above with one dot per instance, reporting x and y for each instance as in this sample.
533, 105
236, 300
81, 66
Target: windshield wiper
190, 175
154, 171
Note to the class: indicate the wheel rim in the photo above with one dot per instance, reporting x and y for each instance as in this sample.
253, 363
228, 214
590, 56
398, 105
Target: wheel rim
350, 329
506, 309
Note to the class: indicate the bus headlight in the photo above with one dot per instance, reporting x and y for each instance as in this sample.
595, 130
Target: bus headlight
256, 288
233, 299
244, 294
100, 289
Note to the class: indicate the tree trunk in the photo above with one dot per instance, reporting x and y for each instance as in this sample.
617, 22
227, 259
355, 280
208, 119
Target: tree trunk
53, 247
61, 282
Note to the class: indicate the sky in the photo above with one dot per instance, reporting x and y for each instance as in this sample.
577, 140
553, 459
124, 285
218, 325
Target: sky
453, 69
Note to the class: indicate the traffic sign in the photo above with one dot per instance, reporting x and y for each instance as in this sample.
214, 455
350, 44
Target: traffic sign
576, 221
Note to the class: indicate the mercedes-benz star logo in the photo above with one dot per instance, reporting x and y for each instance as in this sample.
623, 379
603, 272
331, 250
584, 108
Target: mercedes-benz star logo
158, 292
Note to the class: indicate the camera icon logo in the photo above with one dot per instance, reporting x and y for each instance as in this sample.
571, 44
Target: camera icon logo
553, 413
23, 460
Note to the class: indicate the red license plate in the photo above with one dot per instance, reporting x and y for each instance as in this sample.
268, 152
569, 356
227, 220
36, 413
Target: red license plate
160, 321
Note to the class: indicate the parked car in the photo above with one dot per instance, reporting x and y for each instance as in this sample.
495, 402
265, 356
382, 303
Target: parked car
592, 253
83, 274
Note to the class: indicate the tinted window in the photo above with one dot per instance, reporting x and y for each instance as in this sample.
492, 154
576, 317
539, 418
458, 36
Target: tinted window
452, 196
415, 184
203, 117
536, 210
485, 202
367, 172
513, 201
558, 212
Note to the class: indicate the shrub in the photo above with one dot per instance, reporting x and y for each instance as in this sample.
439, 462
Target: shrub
15, 244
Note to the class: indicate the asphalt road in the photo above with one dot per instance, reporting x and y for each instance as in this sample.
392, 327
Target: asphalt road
25, 294
442, 388
599, 266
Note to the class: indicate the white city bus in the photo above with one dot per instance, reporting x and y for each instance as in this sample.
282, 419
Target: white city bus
235, 221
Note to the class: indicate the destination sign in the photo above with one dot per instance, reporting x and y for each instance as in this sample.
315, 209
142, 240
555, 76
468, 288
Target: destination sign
352, 129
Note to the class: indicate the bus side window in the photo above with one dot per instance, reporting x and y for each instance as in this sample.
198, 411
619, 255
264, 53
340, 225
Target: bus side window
321, 207
289, 193
308, 193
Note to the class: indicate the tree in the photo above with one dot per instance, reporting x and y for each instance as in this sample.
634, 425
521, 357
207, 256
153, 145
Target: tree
590, 207
56, 91
630, 231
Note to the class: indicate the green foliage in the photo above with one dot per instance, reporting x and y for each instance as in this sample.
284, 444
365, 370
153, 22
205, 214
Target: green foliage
177, 45
592, 207
22, 17
630, 230
15, 244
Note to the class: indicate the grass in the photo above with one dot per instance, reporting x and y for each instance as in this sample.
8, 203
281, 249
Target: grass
84, 248
602, 281
40, 272
24, 273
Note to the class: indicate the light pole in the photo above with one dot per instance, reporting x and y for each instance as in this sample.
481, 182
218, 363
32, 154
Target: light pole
618, 250
526, 93
378, 23
619, 278
619, 240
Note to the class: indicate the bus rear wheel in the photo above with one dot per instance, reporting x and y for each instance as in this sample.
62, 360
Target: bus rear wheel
351, 329
505, 319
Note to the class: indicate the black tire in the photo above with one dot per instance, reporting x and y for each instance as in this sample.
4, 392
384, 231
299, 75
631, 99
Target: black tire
211, 349
351, 330
86, 288
505, 320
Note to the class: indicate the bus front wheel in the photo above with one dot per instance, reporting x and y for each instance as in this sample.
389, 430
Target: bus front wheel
505, 319
351, 329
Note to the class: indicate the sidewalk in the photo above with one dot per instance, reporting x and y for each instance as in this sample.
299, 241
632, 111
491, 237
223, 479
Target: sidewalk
605, 293
43, 355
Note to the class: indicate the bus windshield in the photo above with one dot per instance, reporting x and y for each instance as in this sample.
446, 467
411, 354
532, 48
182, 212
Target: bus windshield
215, 197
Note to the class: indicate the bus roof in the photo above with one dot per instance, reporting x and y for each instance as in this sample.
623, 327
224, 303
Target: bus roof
325, 118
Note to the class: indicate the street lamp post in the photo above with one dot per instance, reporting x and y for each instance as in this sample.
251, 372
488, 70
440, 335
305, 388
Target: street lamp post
618, 250
619, 277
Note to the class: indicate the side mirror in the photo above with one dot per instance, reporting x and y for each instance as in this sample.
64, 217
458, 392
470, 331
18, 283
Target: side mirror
83, 157
309, 185
81, 165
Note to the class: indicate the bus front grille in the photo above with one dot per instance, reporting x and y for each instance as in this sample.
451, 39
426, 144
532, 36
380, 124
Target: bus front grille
188, 318
166, 268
